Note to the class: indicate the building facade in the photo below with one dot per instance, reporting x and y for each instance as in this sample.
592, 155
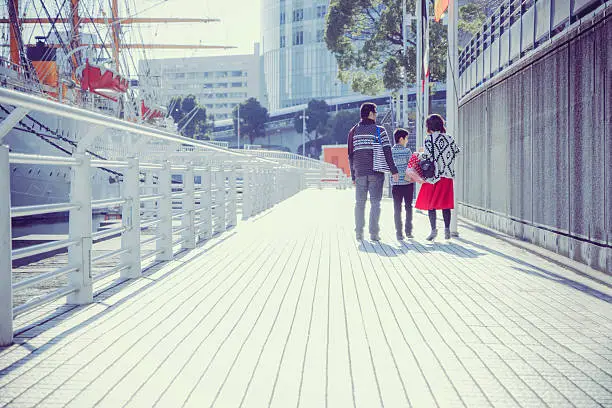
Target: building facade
297, 64
219, 83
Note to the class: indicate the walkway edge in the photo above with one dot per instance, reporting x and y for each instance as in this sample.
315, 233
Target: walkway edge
578, 268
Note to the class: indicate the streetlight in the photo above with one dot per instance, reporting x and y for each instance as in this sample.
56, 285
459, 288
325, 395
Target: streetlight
238, 123
304, 117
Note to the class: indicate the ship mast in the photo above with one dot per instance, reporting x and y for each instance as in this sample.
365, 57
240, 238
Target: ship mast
74, 38
15, 34
116, 30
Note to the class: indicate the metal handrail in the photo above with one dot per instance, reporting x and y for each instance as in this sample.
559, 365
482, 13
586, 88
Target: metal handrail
26, 283
23, 211
42, 248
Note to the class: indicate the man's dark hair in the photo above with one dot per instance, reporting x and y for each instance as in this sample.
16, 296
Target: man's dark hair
366, 108
399, 133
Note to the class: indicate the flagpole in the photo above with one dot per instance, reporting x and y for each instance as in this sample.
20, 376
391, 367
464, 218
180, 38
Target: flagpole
426, 64
419, 65
452, 113
405, 52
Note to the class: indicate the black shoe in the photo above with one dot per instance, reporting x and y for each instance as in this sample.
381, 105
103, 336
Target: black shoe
432, 235
400, 236
375, 237
409, 235
359, 236
447, 233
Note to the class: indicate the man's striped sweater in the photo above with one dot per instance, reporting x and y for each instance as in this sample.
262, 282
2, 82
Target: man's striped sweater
360, 142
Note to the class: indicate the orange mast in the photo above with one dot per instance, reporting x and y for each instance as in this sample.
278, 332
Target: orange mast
116, 29
13, 6
74, 39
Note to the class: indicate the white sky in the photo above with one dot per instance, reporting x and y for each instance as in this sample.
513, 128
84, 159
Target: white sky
239, 26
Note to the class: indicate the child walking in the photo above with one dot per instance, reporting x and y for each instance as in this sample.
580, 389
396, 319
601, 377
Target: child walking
402, 190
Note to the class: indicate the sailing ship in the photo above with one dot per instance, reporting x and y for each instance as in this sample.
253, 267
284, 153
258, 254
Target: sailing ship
72, 62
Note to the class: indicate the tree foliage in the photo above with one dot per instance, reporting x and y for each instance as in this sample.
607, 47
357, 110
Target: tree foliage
189, 116
366, 38
316, 121
253, 118
341, 124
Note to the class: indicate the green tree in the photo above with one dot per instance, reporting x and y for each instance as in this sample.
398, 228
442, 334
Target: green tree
341, 124
189, 116
317, 116
366, 38
253, 118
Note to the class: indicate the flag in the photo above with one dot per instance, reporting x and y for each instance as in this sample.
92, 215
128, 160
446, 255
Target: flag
440, 6
425, 42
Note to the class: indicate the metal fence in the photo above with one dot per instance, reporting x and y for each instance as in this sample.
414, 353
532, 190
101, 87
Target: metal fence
169, 200
517, 28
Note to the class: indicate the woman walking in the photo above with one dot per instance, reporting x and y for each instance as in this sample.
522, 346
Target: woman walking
438, 192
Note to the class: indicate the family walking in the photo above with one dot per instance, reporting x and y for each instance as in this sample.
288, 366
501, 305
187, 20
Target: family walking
371, 155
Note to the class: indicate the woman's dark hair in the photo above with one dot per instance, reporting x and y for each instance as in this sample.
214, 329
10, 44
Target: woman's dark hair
435, 123
366, 108
399, 133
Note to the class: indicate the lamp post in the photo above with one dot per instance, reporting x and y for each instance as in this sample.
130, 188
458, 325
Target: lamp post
304, 117
238, 124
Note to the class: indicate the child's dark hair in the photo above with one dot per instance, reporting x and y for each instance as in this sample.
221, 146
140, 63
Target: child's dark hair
435, 123
366, 108
399, 133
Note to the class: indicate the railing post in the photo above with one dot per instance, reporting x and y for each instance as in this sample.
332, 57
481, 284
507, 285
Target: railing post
219, 178
6, 288
80, 226
258, 190
247, 201
188, 219
232, 216
164, 213
206, 205
130, 218
321, 177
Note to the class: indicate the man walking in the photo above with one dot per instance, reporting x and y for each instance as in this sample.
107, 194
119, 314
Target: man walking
361, 141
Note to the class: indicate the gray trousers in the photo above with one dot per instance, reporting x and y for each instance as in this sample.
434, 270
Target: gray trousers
363, 185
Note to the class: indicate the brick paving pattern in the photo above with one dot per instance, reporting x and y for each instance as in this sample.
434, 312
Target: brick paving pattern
289, 310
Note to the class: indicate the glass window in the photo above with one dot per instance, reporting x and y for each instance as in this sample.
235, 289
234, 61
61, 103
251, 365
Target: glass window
282, 17
298, 38
321, 11
236, 84
221, 85
282, 41
298, 14
236, 73
320, 35
208, 85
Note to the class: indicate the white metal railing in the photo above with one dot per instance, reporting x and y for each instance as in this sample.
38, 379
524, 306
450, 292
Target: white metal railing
159, 216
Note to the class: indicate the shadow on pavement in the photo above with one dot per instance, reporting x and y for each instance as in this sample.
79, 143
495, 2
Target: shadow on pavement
526, 267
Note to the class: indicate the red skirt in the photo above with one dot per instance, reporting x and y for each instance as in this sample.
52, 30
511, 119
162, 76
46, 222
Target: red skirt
438, 196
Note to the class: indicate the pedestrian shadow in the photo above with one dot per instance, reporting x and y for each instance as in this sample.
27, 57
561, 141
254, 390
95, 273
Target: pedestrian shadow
383, 249
567, 282
527, 268
449, 247
49, 322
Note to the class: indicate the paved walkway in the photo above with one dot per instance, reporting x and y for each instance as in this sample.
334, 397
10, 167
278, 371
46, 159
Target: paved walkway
288, 310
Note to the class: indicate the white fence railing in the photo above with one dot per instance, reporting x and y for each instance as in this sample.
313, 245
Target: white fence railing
166, 206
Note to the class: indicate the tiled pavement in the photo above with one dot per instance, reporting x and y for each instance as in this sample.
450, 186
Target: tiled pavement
289, 310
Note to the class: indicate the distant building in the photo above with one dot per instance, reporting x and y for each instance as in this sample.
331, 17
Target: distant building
219, 83
297, 64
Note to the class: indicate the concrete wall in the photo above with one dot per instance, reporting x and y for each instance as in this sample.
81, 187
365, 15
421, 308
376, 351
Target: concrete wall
537, 158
